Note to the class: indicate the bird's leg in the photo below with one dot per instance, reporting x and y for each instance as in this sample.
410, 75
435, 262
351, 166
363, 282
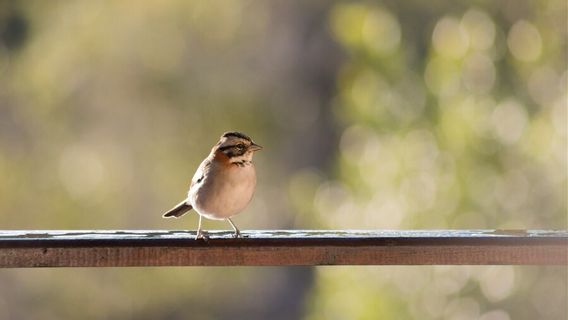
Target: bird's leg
237, 232
200, 233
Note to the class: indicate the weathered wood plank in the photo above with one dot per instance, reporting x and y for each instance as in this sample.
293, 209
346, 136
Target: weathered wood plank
122, 248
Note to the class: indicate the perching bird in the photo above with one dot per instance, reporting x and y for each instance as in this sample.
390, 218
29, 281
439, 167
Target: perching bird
223, 184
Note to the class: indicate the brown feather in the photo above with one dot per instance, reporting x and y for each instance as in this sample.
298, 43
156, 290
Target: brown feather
179, 210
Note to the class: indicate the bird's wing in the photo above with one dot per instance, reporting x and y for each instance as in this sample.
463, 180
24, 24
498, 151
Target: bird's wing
201, 172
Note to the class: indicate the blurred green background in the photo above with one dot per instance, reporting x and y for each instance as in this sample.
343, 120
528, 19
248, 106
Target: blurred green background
374, 115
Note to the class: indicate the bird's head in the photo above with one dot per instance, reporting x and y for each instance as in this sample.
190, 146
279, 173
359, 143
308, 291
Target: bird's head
236, 146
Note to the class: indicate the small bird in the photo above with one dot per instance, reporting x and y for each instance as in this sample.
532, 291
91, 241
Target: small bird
223, 184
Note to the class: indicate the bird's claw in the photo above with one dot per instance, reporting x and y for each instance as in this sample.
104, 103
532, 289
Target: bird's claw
202, 235
237, 234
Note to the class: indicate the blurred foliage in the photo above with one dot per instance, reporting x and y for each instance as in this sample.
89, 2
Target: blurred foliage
464, 127
445, 114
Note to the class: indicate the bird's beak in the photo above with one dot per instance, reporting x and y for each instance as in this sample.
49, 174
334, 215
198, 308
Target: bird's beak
255, 147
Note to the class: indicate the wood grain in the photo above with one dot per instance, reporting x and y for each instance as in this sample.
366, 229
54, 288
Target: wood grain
125, 248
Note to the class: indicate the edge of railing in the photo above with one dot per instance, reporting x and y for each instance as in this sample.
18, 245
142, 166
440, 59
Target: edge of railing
119, 248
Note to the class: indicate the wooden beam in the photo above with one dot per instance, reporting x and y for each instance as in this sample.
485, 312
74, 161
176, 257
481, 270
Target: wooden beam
126, 248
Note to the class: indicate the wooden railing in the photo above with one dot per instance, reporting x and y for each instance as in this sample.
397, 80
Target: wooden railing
124, 248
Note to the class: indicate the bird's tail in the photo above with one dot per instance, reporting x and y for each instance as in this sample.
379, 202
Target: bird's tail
179, 210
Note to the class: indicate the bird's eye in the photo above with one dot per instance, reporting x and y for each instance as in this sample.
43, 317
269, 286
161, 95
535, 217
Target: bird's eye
240, 146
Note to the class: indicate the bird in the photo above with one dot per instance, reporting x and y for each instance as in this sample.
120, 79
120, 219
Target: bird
223, 184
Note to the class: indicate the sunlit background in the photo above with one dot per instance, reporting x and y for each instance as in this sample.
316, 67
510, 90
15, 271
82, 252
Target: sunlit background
374, 115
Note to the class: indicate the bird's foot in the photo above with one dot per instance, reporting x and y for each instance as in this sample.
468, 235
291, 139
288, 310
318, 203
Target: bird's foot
202, 235
237, 234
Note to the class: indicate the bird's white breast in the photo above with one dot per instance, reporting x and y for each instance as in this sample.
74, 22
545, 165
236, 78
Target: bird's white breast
224, 191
